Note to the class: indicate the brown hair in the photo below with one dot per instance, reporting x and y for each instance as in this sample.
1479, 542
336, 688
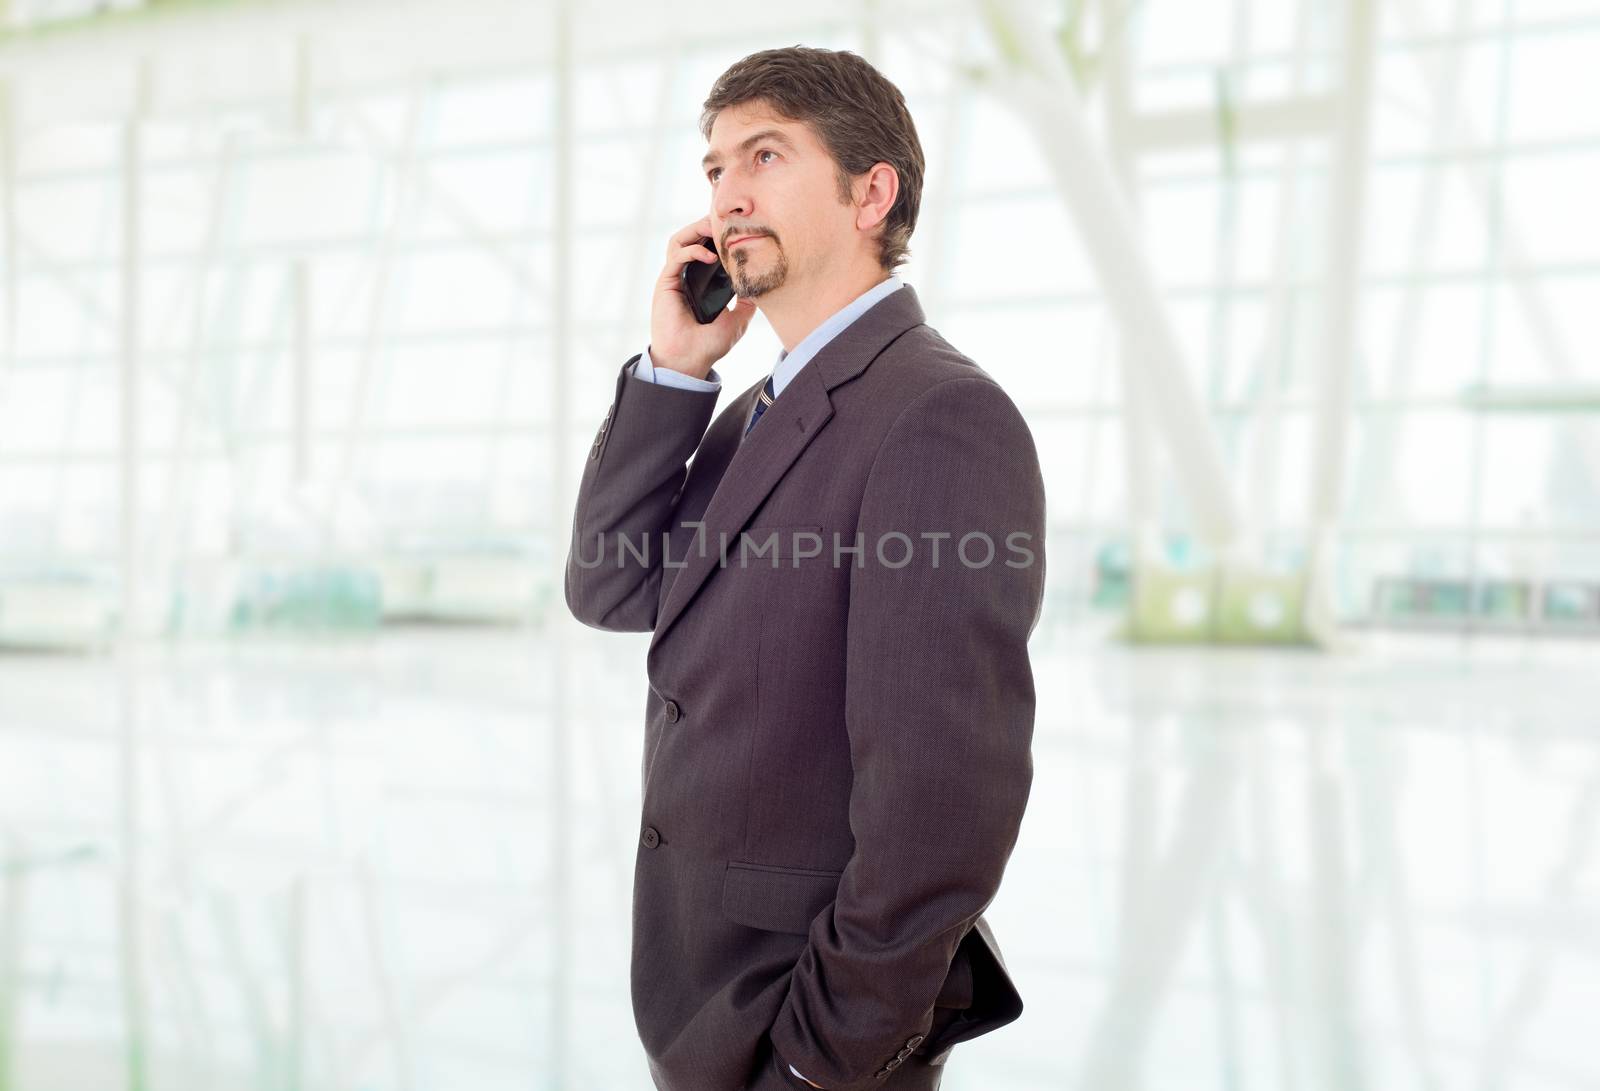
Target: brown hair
860, 117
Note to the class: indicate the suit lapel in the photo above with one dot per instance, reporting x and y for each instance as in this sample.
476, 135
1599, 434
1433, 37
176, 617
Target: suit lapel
786, 429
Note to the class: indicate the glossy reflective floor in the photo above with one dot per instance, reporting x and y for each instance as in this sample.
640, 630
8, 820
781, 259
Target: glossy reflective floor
404, 863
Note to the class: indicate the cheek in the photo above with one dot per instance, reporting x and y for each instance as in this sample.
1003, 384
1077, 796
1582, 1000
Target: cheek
805, 239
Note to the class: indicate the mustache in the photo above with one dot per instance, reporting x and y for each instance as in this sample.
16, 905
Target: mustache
742, 233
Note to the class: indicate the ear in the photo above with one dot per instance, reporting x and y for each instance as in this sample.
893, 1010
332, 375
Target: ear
875, 192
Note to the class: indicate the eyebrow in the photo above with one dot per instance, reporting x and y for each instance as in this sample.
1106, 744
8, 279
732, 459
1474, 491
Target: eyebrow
773, 135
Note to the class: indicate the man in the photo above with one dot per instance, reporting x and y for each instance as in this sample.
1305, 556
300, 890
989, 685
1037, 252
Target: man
840, 708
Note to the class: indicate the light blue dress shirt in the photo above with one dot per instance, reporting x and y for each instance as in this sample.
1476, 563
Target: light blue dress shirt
788, 365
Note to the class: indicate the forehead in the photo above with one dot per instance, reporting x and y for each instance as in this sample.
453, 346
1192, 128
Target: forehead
736, 125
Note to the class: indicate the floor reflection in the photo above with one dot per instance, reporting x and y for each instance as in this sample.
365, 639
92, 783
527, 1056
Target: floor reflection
406, 863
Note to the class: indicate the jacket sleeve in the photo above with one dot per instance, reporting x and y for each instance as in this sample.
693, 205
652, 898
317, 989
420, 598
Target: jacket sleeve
939, 709
632, 480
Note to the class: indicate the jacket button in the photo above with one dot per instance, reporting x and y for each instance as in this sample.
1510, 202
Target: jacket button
651, 837
672, 712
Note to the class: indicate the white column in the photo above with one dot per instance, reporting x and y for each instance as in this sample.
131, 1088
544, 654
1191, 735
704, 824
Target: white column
129, 440
1341, 287
1138, 435
564, 356
300, 288
130, 913
8, 229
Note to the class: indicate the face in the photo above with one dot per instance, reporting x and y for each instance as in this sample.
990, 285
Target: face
773, 179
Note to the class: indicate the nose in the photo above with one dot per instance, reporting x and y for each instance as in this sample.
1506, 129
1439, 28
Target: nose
731, 200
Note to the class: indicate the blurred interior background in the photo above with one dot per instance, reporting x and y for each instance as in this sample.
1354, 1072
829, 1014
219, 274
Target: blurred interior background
309, 312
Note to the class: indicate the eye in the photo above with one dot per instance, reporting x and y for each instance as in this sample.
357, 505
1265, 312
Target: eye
711, 175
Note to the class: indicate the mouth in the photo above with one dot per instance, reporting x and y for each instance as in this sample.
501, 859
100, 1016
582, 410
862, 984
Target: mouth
744, 238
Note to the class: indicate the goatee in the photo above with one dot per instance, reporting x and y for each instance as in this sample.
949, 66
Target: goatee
754, 285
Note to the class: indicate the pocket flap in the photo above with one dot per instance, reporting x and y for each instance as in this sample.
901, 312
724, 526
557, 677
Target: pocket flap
777, 899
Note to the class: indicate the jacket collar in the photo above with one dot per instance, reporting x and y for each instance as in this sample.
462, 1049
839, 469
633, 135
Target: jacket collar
787, 427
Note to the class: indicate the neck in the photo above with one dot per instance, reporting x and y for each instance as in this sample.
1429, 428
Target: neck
794, 314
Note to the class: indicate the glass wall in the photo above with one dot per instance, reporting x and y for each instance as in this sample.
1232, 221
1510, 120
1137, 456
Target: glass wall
315, 278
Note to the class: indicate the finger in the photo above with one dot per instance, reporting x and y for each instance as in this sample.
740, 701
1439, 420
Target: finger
682, 256
689, 233
738, 316
691, 252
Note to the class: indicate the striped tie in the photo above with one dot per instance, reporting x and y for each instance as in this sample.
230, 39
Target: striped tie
763, 400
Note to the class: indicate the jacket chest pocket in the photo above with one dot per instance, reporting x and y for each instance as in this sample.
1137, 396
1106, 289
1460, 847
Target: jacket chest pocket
777, 899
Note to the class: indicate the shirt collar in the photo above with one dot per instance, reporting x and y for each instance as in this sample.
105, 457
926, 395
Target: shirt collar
789, 363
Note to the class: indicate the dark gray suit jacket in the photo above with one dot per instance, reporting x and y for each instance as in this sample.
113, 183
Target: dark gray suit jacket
837, 756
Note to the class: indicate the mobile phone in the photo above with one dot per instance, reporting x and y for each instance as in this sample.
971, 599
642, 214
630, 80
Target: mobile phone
706, 286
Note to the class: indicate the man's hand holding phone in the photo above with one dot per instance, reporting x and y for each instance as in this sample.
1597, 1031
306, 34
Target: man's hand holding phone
677, 339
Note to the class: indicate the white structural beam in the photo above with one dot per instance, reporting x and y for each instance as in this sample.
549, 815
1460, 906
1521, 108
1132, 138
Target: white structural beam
1271, 121
13, 914
1276, 350
1137, 429
933, 254
8, 233
130, 907
182, 469
300, 409
564, 357
128, 394
636, 266
1375, 482
394, 42
1341, 303
1038, 84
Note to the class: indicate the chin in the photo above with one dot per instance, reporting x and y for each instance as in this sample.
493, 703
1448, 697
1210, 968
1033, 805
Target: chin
762, 283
